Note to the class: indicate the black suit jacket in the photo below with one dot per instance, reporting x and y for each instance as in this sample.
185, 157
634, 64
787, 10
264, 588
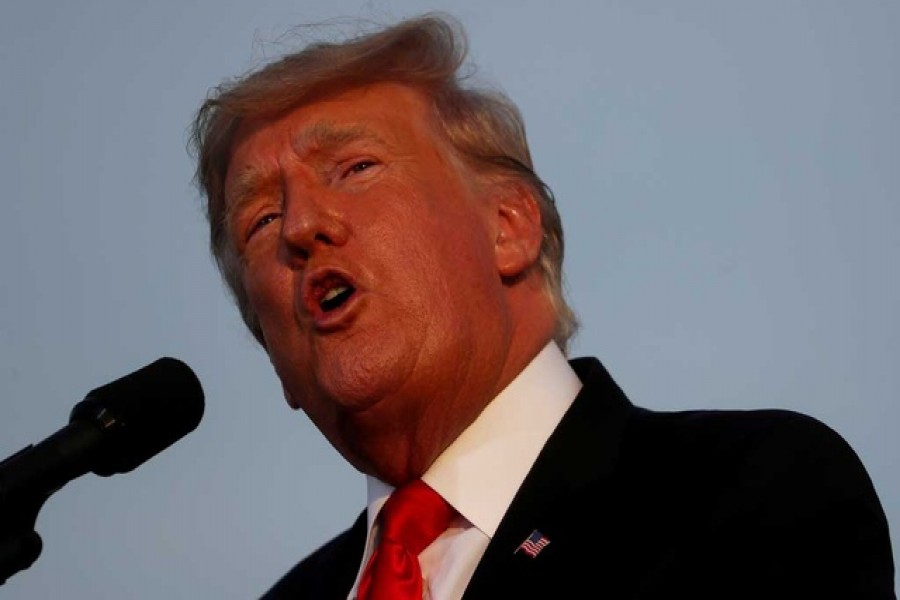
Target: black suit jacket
640, 504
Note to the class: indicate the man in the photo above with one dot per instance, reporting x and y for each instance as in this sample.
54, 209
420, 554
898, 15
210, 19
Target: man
389, 245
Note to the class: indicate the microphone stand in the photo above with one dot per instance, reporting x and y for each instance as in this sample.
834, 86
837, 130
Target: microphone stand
33, 474
20, 544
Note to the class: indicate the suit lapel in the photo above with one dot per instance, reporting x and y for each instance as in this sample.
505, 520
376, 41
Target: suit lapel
582, 451
352, 550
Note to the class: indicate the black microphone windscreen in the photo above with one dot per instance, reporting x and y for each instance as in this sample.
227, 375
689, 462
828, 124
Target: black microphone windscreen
141, 414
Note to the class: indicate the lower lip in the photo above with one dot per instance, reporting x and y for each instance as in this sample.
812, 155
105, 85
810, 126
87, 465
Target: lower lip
339, 317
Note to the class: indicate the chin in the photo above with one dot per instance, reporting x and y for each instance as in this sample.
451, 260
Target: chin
358, 371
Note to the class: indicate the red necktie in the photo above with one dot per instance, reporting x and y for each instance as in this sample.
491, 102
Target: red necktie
413, 517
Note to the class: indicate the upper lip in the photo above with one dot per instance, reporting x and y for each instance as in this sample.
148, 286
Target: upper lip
316, 283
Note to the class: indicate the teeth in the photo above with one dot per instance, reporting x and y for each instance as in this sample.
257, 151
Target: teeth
335, 292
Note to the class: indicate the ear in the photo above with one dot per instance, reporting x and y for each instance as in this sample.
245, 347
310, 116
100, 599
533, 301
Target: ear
517, 245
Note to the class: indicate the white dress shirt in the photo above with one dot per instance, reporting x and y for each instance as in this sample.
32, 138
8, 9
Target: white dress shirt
481, 471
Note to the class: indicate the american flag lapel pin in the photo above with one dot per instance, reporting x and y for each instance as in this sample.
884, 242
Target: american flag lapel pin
535, 542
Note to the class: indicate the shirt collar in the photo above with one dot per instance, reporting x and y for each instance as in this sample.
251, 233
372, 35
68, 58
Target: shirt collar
481, 471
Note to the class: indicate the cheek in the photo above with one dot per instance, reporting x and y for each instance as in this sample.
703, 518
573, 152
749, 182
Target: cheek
270, 294
268, 288
451, 283
463, 252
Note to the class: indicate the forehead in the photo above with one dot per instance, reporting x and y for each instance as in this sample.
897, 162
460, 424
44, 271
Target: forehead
392, 115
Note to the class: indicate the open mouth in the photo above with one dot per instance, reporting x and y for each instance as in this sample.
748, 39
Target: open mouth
331, 292
336, 297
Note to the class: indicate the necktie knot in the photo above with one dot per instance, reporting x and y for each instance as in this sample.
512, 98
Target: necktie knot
414, 516
411, 519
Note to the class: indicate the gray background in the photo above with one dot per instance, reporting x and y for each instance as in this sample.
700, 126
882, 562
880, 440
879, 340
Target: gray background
728, 176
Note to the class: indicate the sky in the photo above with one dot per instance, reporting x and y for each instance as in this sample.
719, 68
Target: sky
728, 176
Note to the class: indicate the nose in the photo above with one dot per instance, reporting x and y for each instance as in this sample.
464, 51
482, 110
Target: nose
311, 222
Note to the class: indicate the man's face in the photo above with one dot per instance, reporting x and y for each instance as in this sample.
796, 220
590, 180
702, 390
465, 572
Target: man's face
368, 255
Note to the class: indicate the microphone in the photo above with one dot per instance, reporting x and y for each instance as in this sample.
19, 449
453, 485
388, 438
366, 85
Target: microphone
113, 430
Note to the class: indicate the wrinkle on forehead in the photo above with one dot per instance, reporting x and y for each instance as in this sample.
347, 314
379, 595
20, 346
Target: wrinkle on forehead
327, 136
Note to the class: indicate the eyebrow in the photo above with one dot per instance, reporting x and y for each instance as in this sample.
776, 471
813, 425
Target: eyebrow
327, 136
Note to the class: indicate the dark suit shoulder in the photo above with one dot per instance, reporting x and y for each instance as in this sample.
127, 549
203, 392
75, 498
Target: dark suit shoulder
784, 486
329, 572
758, 448
740, 433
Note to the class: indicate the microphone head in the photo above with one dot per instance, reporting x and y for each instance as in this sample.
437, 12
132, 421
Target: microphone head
141, 414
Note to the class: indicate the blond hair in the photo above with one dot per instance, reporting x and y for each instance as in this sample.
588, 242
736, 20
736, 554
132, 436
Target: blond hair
484, 127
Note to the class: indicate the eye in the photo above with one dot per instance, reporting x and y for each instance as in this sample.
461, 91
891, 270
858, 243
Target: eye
262, 222
359, 167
